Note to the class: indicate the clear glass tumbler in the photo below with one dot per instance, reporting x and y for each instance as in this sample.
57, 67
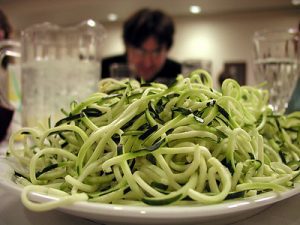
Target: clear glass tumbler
121, 71
277, 63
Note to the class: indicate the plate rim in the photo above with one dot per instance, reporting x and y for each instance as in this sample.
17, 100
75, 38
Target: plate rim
162, 212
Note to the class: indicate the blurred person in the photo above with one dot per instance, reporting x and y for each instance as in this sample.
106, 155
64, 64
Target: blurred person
6, 110
148, 37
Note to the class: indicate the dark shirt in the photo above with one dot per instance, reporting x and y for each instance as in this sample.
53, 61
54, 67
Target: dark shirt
166, 75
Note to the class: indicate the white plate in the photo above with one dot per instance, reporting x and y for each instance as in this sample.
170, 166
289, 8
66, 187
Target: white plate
223, 213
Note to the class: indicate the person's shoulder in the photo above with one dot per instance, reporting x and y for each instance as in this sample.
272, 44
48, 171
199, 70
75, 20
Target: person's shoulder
170, 70
175, 65
172, 61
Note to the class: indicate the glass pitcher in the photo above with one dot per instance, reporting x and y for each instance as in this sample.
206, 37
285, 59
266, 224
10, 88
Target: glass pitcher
58, 65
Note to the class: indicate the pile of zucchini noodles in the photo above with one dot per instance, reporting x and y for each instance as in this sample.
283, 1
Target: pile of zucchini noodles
138, 143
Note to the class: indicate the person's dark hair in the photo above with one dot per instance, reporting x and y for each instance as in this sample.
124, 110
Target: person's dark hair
5, 25
145, 23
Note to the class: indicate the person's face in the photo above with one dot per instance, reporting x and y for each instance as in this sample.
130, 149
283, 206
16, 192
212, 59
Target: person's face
148, 59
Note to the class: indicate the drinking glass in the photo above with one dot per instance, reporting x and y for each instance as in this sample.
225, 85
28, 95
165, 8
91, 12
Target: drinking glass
122, 70
190, 65
277, 63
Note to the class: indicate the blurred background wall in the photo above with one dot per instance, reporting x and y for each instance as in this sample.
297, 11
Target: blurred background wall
221, 33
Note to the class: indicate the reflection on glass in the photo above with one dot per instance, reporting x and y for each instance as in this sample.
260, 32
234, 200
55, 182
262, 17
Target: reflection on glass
277, 63
122, 70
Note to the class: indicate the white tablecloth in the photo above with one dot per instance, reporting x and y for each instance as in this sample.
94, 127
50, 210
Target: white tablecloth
12, 212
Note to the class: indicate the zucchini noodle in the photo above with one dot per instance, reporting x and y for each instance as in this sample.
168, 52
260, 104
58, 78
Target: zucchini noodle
149, 144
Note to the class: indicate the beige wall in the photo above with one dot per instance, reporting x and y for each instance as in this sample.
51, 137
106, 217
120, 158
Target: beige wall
217, 38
